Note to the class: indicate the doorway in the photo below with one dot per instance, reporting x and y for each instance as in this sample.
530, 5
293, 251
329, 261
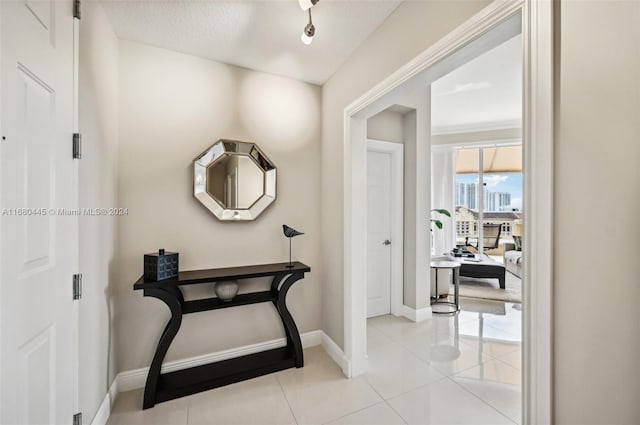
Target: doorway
495, 24
385, 186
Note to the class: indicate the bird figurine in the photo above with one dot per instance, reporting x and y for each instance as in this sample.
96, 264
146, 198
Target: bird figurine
290, 233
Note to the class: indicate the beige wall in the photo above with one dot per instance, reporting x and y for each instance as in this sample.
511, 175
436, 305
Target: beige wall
172, 107
98, 118
387, 126
409, 30
597, 183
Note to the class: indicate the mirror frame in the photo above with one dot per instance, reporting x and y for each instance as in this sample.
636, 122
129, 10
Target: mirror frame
218, 150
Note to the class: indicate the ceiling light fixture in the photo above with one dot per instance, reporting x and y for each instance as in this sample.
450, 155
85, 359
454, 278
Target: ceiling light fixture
307, 4
309, 30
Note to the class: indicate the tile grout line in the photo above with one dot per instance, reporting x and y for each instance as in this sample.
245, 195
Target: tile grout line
463, 370
418, 387
519, 369
451, 376
491, 356
396, 412
509, 333
482, 400
188, 409
295, 419
383, 399
445, 374
440, 380
356, 411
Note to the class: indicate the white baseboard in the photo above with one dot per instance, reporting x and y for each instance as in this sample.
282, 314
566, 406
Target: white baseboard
134, 379
336, 354
312, 339
104, 411
414, 315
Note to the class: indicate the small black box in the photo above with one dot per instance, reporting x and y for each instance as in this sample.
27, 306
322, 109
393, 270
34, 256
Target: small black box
160, 265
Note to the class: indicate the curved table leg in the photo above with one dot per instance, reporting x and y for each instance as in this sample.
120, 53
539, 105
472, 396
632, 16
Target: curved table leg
275, 283
290, 328
173, 300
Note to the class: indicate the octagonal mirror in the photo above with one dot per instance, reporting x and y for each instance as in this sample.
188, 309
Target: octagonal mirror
234, 180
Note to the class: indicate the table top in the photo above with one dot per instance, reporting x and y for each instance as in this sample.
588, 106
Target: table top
191, 277
484, 263
444, 264
478, 259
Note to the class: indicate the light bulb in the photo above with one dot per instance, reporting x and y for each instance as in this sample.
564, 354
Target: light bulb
306, 4
308, 32
305, 38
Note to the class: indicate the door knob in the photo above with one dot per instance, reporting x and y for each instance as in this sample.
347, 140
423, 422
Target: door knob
386, 242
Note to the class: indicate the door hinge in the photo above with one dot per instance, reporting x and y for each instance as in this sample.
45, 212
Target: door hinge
77, 145
76, 9
77, 418
77, 286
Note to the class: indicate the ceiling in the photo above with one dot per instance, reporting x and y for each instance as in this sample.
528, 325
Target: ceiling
259, 35
483, 94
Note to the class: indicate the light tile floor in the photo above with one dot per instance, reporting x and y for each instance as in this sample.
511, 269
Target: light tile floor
462, 369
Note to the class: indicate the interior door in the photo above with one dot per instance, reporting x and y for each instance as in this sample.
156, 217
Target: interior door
38, 247
378, 233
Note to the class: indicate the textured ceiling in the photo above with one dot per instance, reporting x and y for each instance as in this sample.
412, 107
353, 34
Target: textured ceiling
484, 93
260, 35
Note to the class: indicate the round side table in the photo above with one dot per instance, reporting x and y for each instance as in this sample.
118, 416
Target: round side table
437, 265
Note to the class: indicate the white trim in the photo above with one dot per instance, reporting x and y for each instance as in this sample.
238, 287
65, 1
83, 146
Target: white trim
104, 411
475, 127
478, 24
75, 187
480, 197
312, 338
2, 326
136, 378
538, 22
537, 30
414, 315
397, 218
355, 233
336, 354
477, 144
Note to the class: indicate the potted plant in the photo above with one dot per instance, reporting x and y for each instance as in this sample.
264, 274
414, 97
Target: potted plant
438, 223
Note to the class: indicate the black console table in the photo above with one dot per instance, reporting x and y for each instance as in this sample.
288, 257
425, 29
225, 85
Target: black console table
168, 386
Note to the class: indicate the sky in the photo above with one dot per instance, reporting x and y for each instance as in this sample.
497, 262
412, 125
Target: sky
503, 182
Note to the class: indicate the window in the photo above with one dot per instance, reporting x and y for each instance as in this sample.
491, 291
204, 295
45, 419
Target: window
498, 200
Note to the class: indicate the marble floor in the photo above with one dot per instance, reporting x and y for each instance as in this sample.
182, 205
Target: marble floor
463, 369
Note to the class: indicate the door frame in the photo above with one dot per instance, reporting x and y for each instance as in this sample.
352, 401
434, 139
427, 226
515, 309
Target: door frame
75, 316
396, 150
537, 18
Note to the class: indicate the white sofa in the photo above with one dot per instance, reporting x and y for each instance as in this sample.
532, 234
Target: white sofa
513, 259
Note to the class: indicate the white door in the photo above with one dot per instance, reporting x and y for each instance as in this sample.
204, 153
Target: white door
38, 248
378, 233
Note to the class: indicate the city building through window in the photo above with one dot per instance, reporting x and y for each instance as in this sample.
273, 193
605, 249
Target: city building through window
498, 200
